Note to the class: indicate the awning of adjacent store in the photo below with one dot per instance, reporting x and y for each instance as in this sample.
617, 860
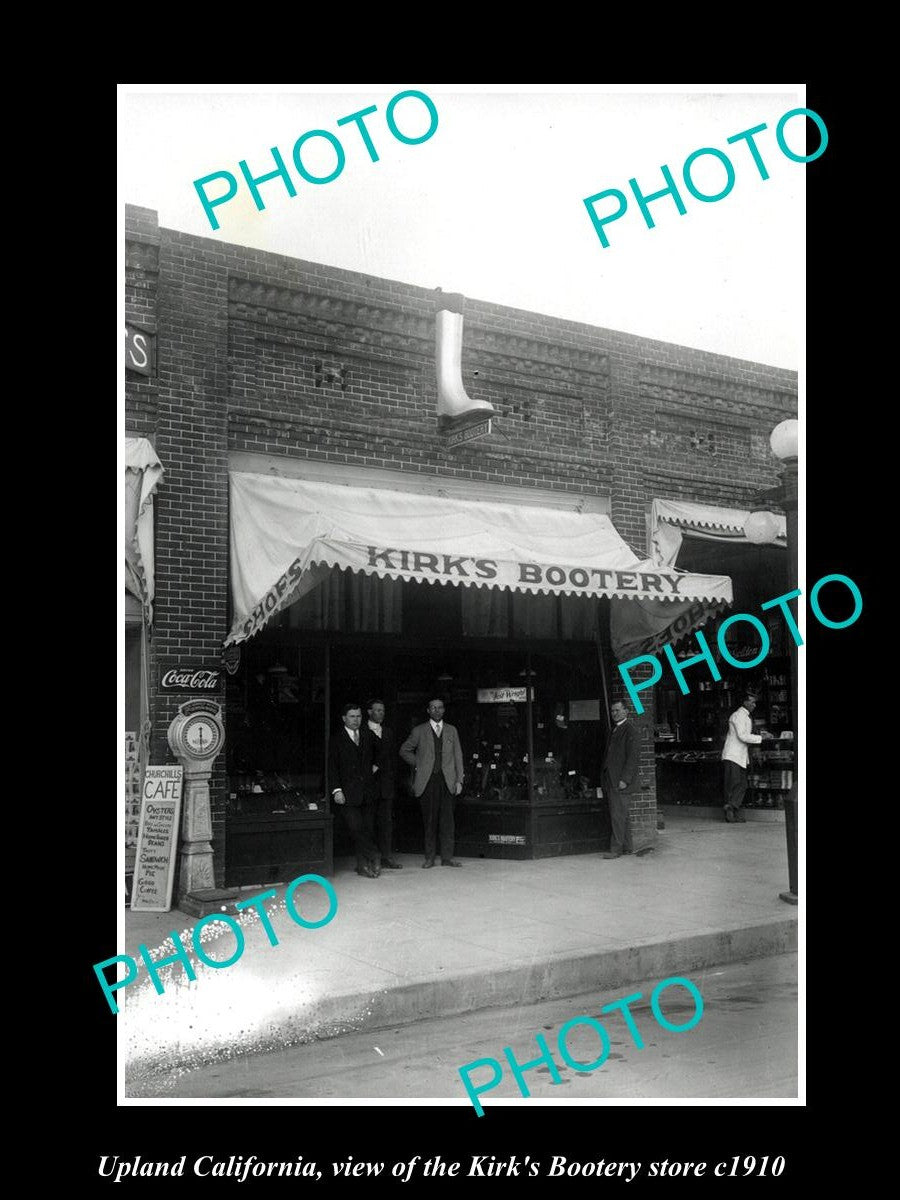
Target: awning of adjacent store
287, 534
143, 471
645, 627
670, 519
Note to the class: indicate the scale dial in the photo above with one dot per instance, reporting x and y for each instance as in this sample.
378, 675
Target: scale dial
197, 734
201, 736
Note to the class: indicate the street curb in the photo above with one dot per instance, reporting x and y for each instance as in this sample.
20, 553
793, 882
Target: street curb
704, 812
552, 979
558, 978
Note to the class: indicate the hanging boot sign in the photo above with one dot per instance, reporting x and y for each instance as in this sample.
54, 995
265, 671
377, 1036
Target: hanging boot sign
459, 416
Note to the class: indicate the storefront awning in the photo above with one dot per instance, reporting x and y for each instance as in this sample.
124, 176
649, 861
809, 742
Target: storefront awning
698, 520
143, 471
286, 534
645, 627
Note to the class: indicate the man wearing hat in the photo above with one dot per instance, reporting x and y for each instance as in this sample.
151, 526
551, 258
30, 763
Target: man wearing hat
735, 756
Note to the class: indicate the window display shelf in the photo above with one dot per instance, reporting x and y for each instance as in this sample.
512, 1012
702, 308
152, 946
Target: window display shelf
253, 794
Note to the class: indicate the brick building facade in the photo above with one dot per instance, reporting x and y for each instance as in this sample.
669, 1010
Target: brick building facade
259, 354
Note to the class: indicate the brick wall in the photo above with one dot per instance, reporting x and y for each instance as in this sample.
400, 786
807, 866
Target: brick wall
259, 352
141, 279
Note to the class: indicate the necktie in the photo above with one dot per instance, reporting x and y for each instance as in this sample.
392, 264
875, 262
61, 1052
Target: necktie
356, 736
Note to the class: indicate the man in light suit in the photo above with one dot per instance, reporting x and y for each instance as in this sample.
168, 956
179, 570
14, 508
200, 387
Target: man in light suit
620, 777
434, 750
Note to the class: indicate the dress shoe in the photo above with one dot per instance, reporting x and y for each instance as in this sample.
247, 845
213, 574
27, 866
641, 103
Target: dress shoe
391, 864
611, 854
729, 814
739, 817
643, 850
366, 871
429, 862
450, 862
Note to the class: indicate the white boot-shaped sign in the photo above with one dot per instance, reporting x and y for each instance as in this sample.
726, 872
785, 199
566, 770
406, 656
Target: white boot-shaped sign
454, 407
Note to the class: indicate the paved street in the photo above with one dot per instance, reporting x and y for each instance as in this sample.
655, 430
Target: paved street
745, 1045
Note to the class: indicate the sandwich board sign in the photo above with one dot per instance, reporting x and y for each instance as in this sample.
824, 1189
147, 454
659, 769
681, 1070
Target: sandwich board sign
157, 840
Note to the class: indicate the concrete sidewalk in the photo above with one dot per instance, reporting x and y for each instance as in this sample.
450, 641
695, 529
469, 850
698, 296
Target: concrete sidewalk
415, 944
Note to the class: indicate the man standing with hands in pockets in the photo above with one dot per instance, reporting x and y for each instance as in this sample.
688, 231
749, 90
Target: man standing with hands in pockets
433, 749
352, 765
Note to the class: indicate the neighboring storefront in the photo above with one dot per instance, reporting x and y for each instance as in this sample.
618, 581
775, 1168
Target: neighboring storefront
321, 535
690, 730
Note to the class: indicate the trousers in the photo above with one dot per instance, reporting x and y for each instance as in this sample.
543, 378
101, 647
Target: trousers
384, 826
735, 784
619, 804
437, 817
361, 822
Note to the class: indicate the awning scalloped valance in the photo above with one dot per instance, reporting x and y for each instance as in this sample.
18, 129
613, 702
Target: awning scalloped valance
696, 517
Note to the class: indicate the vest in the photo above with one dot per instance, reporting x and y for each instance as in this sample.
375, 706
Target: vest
438, 746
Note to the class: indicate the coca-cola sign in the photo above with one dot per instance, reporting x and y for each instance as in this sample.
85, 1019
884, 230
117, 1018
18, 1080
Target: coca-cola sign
179, 678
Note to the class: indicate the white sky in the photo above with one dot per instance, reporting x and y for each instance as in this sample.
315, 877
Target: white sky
491, 205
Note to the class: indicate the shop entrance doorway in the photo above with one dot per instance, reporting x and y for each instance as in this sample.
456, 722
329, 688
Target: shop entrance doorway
506, 809
532, 767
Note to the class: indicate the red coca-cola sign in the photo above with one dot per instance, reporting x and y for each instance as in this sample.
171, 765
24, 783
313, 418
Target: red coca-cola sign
179, 678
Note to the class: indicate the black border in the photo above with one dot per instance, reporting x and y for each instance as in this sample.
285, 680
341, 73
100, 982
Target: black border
839, 517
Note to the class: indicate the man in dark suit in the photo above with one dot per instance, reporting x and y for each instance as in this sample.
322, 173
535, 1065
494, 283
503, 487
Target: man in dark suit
385, 784
620, 779
352, 757
434, 750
